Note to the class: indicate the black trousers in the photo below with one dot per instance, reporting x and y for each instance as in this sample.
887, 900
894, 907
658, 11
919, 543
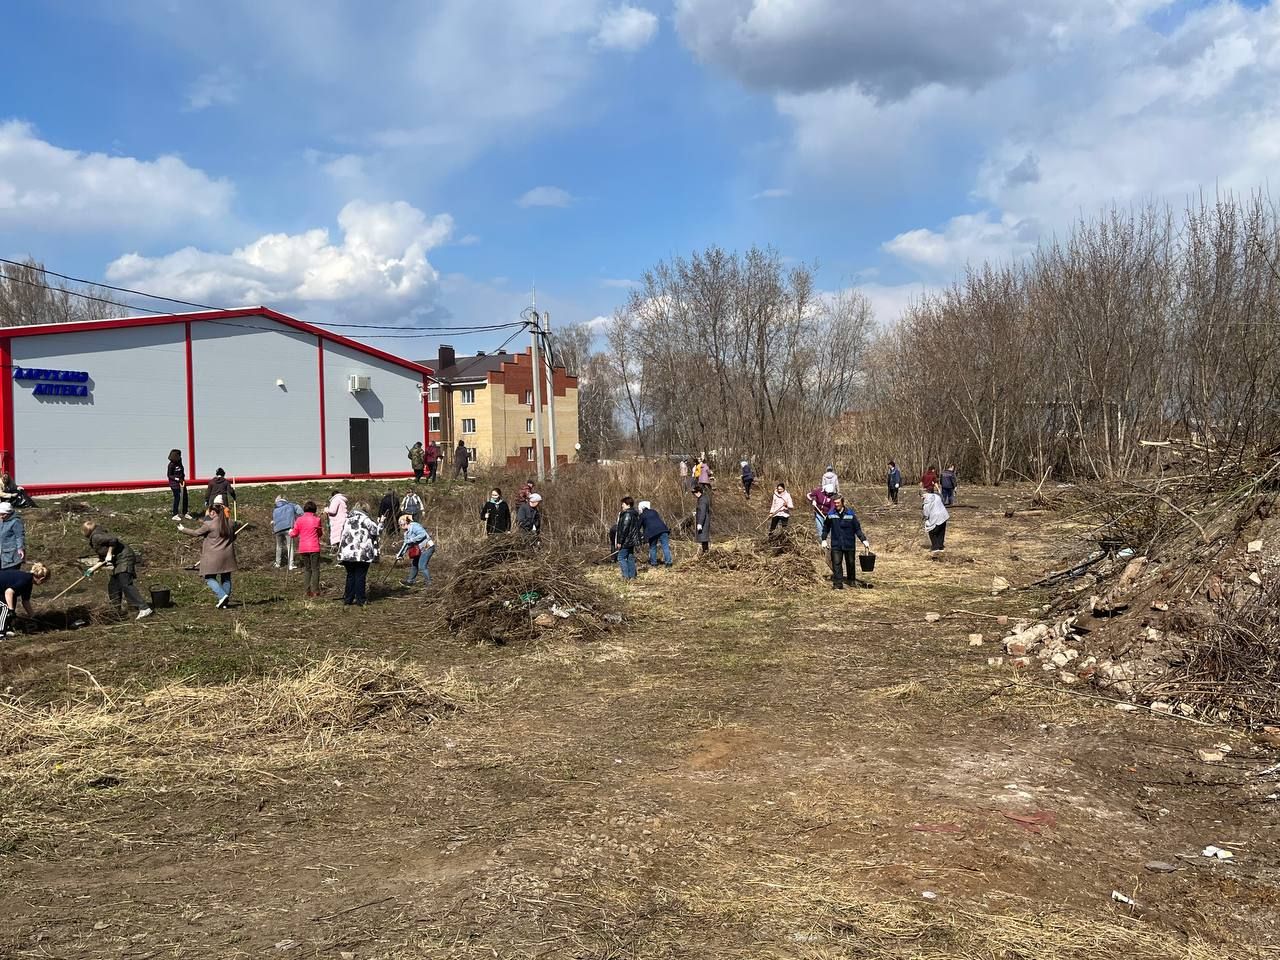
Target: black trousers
938, 537
431, 471
776, 522
844, 566
180, 503
746, 487
417, 474
357, 580
893, 494
121, 584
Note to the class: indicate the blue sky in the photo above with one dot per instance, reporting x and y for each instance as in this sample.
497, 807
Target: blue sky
342, 165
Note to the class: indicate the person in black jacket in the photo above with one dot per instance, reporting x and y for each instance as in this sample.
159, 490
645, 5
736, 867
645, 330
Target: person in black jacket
177, 474
702, 517
630, 536
842, 530
219, 486
495, 514
389, 511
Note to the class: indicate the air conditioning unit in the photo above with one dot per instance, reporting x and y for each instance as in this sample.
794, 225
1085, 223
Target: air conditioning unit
356, 383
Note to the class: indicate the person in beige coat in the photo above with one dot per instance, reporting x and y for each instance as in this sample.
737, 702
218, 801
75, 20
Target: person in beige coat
217, 552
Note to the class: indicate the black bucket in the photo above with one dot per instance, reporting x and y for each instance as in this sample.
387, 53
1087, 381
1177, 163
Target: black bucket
867, 561
161, 599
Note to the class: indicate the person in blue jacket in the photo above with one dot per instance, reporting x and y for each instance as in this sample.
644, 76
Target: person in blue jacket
283, 514
419, 547
895, 482
657, 533
949, 483
13, 538
843, 531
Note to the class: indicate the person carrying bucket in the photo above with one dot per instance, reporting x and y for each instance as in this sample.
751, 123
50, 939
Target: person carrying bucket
843, 531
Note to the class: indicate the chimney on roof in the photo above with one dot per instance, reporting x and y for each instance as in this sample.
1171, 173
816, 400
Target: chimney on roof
447, 356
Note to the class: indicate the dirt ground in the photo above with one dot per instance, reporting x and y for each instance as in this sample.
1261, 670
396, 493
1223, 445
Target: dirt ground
735, 772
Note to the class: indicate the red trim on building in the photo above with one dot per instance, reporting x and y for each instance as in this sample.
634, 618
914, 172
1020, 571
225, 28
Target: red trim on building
240, 313
121, 486
191, 408
8, 453
324, 453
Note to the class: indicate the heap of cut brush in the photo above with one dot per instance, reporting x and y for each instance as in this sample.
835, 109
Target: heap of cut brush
784, 561
511, 589
1178, 604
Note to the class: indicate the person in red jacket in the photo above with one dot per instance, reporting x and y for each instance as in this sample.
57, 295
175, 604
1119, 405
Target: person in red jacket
929, 479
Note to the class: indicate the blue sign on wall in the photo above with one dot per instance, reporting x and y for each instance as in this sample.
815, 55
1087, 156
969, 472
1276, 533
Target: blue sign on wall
55, 383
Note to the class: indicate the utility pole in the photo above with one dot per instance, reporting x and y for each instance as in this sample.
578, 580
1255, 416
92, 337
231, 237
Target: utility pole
537, 389
551, 397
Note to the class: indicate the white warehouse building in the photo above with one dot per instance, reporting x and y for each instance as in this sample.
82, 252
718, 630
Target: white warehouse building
98, 405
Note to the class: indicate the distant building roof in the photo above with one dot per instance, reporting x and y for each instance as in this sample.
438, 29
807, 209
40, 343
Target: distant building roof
465, 369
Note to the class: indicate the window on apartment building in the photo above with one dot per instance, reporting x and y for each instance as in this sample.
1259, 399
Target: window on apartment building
433, 394
528, 397
468, 394
528, 454
434, 425
468, 425
528, 425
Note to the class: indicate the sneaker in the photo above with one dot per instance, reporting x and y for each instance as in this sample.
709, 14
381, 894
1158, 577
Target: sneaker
187, 516
291, 569
144, 613
223, 601
177, 516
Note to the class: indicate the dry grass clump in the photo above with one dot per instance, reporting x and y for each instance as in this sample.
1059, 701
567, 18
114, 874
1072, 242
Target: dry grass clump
511, 589
784, 562
322, 701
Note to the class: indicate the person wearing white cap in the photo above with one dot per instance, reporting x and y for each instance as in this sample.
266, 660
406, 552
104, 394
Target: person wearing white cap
657, 533
13, 538
529, 515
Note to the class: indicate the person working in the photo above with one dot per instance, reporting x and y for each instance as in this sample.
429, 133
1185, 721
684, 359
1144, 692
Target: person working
357, 549
283, 515
529, 515
306, 530
629, 536
894, 480
657, 533
461, 458
13, 538
118, 557
821, 499
935, 520
418, 547
702, 518
417, 460
831, 479
219, 486
177, 474
217, 551
948, 483
843, 532
780, 508
495, 514
432, 458
16, 585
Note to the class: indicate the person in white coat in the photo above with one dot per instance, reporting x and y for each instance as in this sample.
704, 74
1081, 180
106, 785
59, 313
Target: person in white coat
935, 520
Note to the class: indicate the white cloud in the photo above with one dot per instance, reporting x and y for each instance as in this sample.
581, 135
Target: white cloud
46, 187
772, 193
626, 28
1143, 116
599, 322
545, 197
618, 283
890, 301
219, 87
382, 258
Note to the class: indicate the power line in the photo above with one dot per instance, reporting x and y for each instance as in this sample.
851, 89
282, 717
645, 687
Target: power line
421, 331
107, 286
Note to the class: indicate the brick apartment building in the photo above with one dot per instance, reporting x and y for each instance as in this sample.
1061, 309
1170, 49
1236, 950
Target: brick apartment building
486, 400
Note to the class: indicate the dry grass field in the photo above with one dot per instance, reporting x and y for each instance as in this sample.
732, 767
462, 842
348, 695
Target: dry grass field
739, 769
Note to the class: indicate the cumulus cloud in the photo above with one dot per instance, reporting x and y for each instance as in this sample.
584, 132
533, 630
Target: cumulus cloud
47, 187
382, 257
626, 28
887, 48
545, 197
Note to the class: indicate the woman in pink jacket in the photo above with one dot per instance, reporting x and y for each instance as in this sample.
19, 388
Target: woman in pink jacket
306, 530
337, 513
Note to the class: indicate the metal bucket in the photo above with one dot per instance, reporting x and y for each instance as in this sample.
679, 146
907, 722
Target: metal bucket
867, 561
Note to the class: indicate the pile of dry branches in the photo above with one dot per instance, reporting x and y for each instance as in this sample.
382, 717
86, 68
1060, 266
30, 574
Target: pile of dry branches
1180, 601
511, 589
784, 561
